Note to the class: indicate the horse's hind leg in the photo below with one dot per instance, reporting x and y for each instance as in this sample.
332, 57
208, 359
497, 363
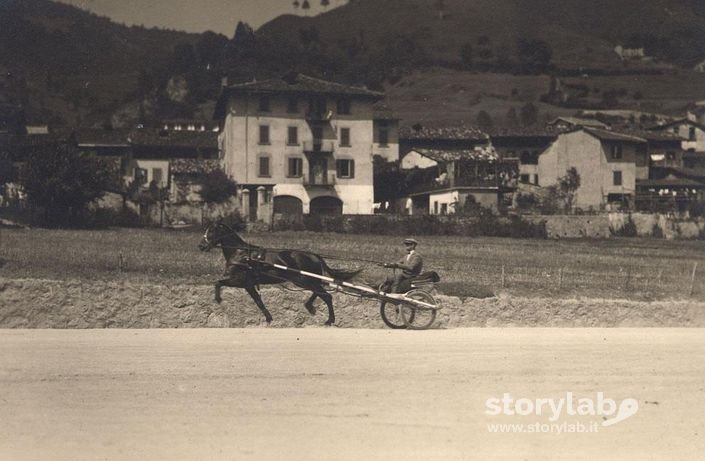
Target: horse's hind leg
309, 304
258, 300
328, 299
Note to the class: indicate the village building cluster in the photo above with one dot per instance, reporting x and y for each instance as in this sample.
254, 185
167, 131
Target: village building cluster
298, 145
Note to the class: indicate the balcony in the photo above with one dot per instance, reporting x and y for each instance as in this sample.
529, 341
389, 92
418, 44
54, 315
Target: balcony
319, 146
325, 180
319, 115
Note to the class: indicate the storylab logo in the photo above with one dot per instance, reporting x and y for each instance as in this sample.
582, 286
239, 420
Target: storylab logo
569, 410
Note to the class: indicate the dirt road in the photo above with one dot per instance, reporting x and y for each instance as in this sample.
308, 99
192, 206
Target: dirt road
335, 394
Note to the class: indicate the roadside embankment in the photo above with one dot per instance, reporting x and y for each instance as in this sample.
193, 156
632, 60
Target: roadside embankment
39, 303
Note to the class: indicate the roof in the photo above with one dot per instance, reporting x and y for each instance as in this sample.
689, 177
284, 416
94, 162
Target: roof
606, 135
576, 121
670, 181
163, 138
193, 166
680, 121
521, 132
649, 135
454, 133
102, 137
299, 83
486, 154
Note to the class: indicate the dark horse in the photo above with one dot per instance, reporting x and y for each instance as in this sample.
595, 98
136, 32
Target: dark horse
249, 266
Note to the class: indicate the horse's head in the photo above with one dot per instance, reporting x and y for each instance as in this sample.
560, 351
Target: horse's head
214, 235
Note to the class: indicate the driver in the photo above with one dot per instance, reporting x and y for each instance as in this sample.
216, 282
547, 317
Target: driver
410, 265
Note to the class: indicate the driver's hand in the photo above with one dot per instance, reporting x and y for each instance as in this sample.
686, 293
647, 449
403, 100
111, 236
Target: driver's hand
390, 265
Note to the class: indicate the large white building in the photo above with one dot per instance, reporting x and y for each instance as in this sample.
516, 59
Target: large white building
297, 145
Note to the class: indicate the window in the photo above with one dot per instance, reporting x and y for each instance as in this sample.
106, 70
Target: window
617, 178
295, 168
343, 106
263, 171
444, 208
345, 137
536, 179
292, 136
345, 168
524, 179
157, 175
616, 151
292, 105
691, 133
264, 134
383, 136
435, 207
140, 175
264, 104
670, 155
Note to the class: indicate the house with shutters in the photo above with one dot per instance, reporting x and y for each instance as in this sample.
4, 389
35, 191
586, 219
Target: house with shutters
300, 145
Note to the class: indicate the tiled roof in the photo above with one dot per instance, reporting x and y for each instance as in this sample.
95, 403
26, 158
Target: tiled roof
162, 138
588, 122
648, 135
486, 154
680, 121
523, 132
193, 166
670, 181
605, 135
101, 137
299, 83
448, 133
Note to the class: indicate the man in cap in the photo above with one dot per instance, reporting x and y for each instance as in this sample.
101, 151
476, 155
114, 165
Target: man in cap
410, 265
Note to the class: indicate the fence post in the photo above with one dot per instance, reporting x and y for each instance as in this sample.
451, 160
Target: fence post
629, 275
560, 278
503, 277
692, 279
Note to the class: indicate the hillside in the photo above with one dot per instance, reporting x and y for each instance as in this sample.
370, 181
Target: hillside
437, 60
581, 33
70, 66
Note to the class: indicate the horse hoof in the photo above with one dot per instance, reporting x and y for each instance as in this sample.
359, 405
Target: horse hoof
330, 323
310, 308
219, 300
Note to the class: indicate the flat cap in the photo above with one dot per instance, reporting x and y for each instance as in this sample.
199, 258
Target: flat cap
411, 241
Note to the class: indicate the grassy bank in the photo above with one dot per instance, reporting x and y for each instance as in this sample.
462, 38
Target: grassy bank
618, 268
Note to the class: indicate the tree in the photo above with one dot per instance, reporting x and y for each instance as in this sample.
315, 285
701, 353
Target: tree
484, 121
64, 181
534, 55
529, 114
512, 119
7, 171
217, 187
466, 55
569, 185
325, 3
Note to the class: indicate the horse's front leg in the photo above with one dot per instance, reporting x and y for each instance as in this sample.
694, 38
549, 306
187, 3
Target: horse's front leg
218, 285
258, 300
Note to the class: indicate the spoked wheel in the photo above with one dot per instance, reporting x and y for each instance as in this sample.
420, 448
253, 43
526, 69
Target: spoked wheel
391, 313
416, 317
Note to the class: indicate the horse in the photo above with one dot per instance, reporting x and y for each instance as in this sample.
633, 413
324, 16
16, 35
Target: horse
249, 266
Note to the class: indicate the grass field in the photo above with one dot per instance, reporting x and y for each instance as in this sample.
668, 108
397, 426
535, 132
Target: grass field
618, 268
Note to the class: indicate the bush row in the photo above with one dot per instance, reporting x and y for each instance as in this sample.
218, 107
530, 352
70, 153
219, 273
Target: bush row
487, 225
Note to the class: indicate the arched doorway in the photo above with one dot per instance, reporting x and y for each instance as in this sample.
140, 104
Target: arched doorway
288, 205
326, 206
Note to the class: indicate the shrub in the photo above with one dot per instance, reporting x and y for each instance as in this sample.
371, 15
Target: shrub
656, 231
627, 230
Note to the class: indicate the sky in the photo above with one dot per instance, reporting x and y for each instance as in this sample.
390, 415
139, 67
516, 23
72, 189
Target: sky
196, 15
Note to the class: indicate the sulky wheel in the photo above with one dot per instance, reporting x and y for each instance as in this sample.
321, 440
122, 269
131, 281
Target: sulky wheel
415, 317
391, 313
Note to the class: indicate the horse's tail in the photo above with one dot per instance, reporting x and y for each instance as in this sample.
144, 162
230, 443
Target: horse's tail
339, 274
